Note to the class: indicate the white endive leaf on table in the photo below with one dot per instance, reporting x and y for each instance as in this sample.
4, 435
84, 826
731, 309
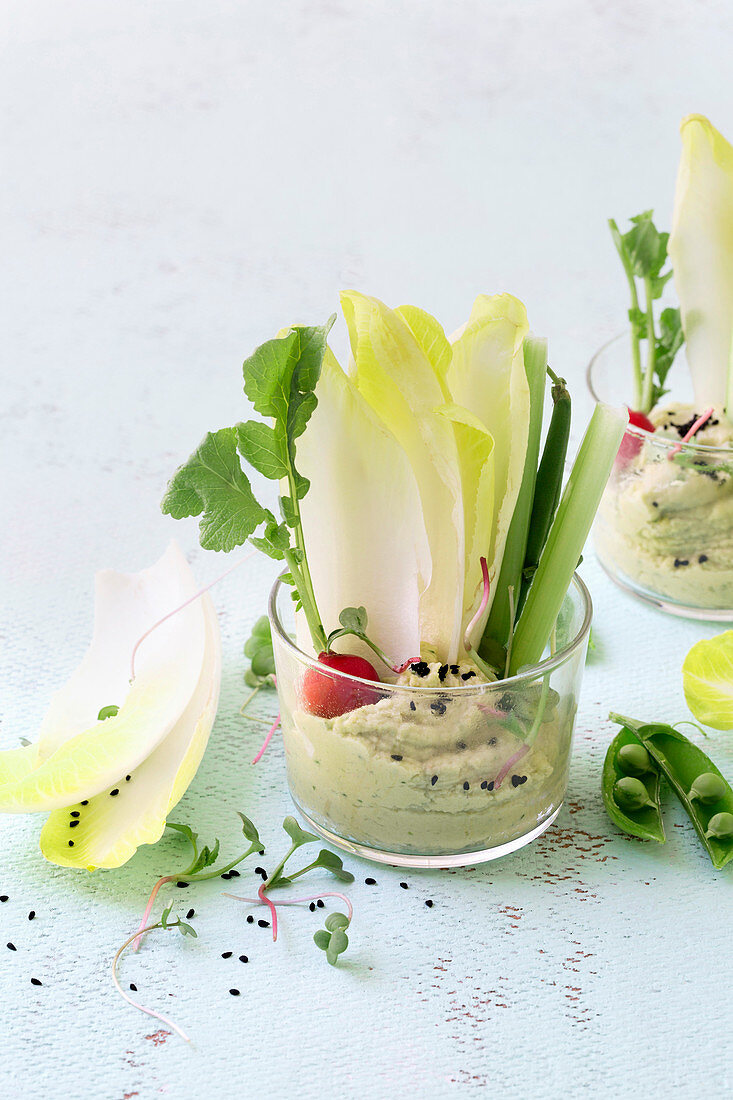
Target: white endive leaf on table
403, 387
487, 377
377, 554
701, 250
78, 756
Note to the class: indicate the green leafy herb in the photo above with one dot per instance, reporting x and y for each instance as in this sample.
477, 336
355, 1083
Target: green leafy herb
333, 939
258, 648
643, 253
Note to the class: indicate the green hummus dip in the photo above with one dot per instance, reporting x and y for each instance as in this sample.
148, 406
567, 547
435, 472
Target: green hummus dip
668, 525
433, 773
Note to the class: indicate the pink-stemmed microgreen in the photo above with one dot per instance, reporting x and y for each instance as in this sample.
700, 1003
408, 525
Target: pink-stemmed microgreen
203, 857
467, 641
266, 742
696, 426
166, 924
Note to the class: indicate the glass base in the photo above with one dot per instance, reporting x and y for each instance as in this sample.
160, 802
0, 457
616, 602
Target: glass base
665, 603
397, 859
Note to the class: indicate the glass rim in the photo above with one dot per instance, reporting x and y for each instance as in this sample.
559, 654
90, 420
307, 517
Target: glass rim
534, 672
663, 442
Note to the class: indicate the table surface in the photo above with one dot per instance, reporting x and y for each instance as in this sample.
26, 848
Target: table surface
181, 179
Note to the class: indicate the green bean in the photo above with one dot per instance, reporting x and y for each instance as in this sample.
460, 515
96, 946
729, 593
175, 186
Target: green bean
632, 802
691, 772
548, 484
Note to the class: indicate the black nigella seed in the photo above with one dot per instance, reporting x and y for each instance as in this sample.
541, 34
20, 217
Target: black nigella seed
225, 876
133, 987
467, 675
12, 947
190, 913
490, 786
182, 885
370, 881
85, 802
75, 813
227, 954
466, 785
433, 781
454, 669
263, 875
312, 907
517, 780
259, 870
680, 561
321, 904
3, 897
128, 778
484, 785
491, 741
702, 558
264, 923
114, 792
71, 843
234, 992
396, 756
233, 873
73, 824
429, 903
404, 886
261, 852
460, 745
243, 959
32, 915
36, 981
438, 708
420, 668
442, 673
250, 919
412, 706
655, 504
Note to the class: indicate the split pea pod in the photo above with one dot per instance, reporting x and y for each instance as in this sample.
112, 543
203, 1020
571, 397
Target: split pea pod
631, 788
701, 788
548, 485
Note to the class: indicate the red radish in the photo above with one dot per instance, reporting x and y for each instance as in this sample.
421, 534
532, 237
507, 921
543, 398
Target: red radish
631, 444
330, 696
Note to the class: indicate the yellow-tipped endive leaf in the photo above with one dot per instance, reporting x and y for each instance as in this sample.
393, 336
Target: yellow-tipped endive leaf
403, 387
377, 554
701, 249
112, 826
430, 336
707, 679
487, 377
78, 756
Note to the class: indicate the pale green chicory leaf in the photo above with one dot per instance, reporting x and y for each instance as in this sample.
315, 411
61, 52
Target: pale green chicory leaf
707, 679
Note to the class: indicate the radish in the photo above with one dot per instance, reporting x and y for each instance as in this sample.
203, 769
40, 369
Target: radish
631, 444
330, 696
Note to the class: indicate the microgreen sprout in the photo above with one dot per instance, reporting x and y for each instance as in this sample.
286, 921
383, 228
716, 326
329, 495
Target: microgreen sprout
258, 647
203, 857
354, 622
166, 922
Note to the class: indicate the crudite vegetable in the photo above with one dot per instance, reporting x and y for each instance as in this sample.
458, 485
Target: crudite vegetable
120, 744
429, 547
666, 523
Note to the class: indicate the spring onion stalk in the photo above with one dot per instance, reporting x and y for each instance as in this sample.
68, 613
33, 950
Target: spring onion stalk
567, 535
499, 624
635, 348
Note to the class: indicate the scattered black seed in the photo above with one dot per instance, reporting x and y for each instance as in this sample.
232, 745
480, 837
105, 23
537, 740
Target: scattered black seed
264, 923
226, 876
484, 785
702, 558
250, 919
12, 947
412, 706
133, 987
233, 873
85, 802
182, 885
32, 915
312, 907
75, 813
429, 903
227, 954
442, 673
190, 913
404, 886
466, 785
460, 745
261, 852
128, 778
454, 669
3, 897
396, 756
433, 781
370, 881
36, 981
259, 870
243, 959
420, 668
73, 824
71, 843
680, 561
438, 708
234, 992
655, 504
491, 741
517, 780
490, 786
114, 792
321, 904
467, 675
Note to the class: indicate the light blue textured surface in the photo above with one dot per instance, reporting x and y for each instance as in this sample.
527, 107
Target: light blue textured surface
181, 180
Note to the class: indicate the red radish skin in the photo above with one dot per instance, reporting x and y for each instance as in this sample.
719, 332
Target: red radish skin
631, 444
328, 697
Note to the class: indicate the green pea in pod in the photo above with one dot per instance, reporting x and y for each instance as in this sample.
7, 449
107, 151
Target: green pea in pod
720, 827
633, 759
708, 788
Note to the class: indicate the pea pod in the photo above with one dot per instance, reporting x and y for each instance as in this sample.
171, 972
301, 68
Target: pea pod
627, 764
689, 770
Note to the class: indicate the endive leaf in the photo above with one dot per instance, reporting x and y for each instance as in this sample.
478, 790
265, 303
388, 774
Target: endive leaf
707, 679
377, 553
405, 390
430, 336
701, 249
